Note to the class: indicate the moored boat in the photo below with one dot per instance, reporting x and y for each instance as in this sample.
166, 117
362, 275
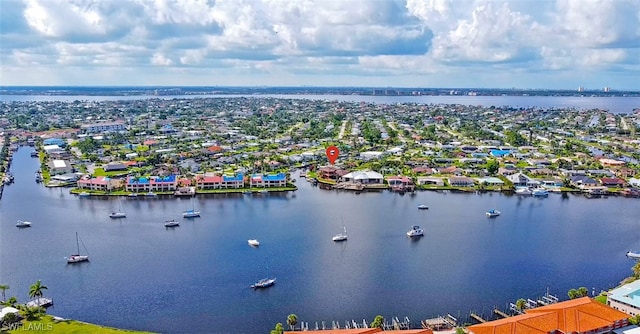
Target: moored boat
342, 236
190, 214
75, 258
21, 224
423, 207
415, 231
263, 283
540, 192
253, 242
633, 255
115, 215
525, 191
492, 213
171, 223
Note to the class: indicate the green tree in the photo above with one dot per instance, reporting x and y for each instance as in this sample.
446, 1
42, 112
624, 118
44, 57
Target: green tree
4, 288
12, 301
378, 321
492, 166
278, 329
35, 291
292, 321
583, 291
32, 312
573, 294
10, 318
635, 320
636, 270
520, 304
460, 330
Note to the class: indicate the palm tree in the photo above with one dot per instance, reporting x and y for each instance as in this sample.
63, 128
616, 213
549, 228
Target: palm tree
278, 329
636, 269
583, 291
378, 322
292, 321
35, 291
573, 294
4, 288
520, 304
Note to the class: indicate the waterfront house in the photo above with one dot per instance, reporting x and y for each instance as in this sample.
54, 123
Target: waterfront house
576, 316
583, 181
626, 298
522, 180
114, 166
268, 180
461, 181
499, 153
363, 331
634, 182
54, 141
363, 177
206, 182
232, 181
60, 167
153, 183
101, 183
612, 182
424, 181
490, 181
52, 149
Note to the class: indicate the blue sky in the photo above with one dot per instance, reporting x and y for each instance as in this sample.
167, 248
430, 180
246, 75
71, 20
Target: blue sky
557, 44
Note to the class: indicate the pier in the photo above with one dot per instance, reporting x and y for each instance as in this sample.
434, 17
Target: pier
440, 323
477, 318
500, 313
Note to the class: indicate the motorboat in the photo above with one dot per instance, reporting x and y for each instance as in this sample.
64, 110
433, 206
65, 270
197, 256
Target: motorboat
133, 195
633, 255
190, 213
151, 194
525, 191
423, 207
75, 258
171, 223
116, 215
415, 231
263, 283
342, 236
22, 224
264, 191
493, 213
540, 192
253, 242
84, 194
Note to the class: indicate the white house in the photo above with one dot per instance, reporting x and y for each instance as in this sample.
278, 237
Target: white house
60, 167
363, 177
366, 156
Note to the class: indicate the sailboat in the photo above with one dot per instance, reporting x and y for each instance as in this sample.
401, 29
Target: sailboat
342, 236
191, 213
75, 258
119, 213
264, 283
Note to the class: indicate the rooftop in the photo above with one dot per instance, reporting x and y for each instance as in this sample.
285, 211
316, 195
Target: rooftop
628, 294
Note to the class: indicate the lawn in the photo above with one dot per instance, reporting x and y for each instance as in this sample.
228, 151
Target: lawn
48, 324
101, 172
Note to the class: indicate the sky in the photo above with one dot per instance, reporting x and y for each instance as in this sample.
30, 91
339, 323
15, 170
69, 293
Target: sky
554, 44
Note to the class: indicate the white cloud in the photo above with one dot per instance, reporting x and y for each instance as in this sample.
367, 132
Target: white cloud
307, 38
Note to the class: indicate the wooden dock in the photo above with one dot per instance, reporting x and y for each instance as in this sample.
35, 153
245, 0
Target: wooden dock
42, 302
500, 313
477, 318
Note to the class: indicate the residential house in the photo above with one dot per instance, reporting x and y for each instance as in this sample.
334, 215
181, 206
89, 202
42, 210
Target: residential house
57, 167
522, 180
490, 181
103, 127
626, 298
499, 153
54, 141
101, 183
268, 180
114, 166
634, 182
612, 182
583, 181
363, 177
153, 183
423, 181
461, 181
576, 316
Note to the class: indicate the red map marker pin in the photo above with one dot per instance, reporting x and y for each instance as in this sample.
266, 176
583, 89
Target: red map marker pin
332, 153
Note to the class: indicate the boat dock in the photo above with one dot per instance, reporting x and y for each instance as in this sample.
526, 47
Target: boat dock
42, 302
440, 323
500, 313
477, 318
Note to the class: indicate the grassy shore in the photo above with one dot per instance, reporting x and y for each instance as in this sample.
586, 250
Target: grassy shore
49, 325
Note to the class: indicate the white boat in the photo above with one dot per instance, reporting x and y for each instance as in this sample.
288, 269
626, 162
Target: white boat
265, 282
264, 191
633, 255
415, 231
423, 207
493, 213
75, 258
171, 223
525, 191
84, 194
190, 214
540, 192
151, 194
253, 242
342, 236
21, 224
115, 215
119, 213
133, 195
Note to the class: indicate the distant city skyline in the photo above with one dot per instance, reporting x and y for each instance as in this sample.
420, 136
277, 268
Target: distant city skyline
549, 44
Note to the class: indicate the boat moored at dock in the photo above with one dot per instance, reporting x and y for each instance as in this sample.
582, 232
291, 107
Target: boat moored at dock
492, 213
22, 224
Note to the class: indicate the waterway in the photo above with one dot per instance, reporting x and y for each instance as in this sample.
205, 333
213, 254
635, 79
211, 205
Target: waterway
195, 278
615, 104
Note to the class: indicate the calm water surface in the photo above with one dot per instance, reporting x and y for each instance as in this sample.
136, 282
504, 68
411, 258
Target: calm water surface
143, 276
